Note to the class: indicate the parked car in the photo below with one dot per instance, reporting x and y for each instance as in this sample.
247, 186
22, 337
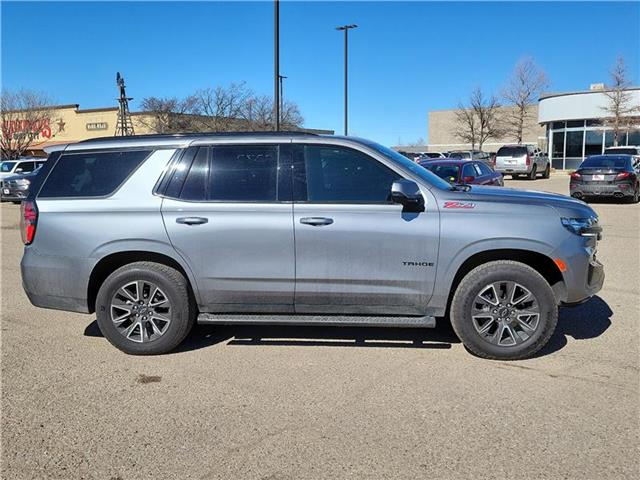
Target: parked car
464, 172
607, 176
16, 188
628, 150
21, 166
428, 155
522, 160
470, 155
255, 228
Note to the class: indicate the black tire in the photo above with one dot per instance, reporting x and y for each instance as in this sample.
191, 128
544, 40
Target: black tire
636, 195
515, 176
172, 283
533, 173
503, 270
547, 172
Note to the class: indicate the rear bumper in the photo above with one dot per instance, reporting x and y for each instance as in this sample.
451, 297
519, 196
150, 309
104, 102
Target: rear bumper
55, 282
601, 190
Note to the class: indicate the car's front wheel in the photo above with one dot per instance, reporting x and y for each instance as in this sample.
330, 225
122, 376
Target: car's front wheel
533, 172
504, 310
547, 171
144, 308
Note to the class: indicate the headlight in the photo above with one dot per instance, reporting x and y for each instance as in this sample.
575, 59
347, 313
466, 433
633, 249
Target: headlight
586, 227
23, 181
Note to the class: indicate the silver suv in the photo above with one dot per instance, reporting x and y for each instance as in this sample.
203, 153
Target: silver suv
522, 160
155, 233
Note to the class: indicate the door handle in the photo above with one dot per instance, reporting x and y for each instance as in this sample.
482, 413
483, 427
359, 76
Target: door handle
192, 220
316, 221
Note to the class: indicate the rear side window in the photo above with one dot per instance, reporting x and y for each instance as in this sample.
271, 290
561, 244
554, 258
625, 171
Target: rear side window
91, 174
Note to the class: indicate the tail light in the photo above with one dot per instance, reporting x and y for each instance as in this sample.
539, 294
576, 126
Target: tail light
28, 221
623, 175
528, 159
576, 176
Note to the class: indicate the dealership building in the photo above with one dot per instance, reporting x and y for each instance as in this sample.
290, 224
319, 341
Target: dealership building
569, 126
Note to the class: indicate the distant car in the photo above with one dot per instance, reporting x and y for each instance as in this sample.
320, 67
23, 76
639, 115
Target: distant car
606, 176
628, 150
16, 187
519, 160
464, 171
19, 166
428, 155
470, 155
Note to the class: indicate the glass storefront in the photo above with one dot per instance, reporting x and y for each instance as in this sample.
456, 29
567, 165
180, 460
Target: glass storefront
573, 141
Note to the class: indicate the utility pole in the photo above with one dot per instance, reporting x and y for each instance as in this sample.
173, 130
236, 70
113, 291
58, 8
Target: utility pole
281, 78
276, 64
346, 29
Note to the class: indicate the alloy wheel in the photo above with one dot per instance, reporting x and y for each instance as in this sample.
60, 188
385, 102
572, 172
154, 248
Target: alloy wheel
505, 313
140, 311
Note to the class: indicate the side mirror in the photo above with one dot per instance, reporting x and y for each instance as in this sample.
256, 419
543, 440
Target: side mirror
407, 193
468, 179
18, 170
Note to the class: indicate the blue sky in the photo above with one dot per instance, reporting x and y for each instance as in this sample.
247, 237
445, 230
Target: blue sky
406, 58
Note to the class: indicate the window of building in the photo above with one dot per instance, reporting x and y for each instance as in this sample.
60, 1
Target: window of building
575, 123
557, 125
634, 138
557, 150
593, 142
91, 174
343, 175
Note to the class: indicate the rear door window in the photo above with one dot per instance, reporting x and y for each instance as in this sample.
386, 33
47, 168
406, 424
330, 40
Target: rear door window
26, 167
91, 174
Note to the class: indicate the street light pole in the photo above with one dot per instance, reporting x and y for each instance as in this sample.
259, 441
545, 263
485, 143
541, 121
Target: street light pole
281, 78
346, 29
276, 64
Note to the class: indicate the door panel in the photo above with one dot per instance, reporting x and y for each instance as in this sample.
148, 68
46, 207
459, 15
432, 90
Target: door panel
369, 259
356, 252
230, 218
242, 257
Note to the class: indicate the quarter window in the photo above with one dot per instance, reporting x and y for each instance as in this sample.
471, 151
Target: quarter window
344, 175
91, 174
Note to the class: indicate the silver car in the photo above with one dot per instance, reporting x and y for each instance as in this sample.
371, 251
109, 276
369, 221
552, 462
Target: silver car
524, 160
155, 233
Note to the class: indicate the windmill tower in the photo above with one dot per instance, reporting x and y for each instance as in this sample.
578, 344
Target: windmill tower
124, 125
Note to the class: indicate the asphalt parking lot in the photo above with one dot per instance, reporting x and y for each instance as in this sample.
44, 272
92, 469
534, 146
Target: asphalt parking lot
294, 402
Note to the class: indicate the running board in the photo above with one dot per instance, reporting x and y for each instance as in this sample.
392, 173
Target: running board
328, 320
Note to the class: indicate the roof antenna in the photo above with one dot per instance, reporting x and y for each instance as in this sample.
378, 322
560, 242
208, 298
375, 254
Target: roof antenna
124, 124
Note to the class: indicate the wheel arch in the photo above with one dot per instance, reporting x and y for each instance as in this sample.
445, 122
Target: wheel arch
111, 262
540, 262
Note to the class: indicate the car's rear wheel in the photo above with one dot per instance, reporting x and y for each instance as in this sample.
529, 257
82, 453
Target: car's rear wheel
144, 308
504, 310
547, 171
533, 172
636, 194
515, 176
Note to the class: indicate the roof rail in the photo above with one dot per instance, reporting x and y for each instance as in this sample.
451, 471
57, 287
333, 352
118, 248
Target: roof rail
196, 135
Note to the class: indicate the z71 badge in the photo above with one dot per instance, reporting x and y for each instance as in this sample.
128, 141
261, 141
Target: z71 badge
459, 205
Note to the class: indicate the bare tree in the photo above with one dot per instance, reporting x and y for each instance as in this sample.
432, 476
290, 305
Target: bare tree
620, 109
168, 115
479, 121
219, 109
523, 89
27, 120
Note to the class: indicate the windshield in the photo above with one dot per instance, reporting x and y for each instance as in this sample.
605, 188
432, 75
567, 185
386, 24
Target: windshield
446, 172
421, 172
6, 166
621, 151
459, 155
605, 161
432, 155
